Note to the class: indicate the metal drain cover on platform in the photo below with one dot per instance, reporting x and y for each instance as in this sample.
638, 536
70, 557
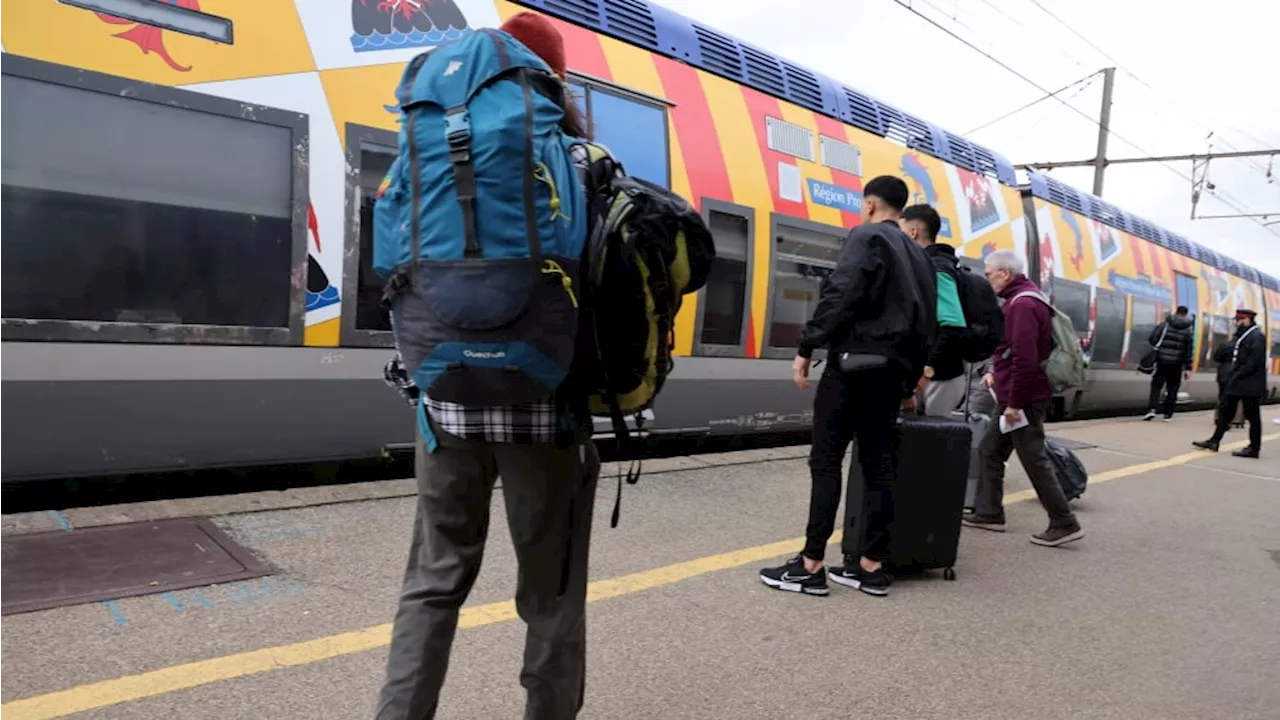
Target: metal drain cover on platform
56, 569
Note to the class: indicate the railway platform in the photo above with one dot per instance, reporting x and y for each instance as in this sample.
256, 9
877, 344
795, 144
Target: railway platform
1169, 608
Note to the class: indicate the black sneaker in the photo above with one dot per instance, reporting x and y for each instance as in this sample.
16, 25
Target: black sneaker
1247, 452
1206, 445
794, 578
994, 523
1151, 415
852, 575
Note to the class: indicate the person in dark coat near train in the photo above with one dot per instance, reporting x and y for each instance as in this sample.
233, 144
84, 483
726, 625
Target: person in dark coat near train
877, 318
1174, 342
1246, 385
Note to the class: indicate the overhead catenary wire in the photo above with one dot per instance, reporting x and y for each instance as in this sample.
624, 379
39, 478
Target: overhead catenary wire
1086, 79
1148, 85
1221, 197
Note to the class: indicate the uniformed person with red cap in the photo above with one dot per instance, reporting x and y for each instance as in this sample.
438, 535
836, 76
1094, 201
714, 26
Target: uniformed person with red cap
1246, 385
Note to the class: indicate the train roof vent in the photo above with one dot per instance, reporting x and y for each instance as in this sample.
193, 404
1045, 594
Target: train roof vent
632, 20
987, 164
802, 87
719, 53
862, 111
1064, 196
1179, 244
1107, 213
1147, 231
586, 12
962, 154
907, 130
764, 71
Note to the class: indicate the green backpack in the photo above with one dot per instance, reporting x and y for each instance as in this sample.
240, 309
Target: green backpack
1065, 367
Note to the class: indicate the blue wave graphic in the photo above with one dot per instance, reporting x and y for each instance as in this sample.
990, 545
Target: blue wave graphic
398, 40
322, 299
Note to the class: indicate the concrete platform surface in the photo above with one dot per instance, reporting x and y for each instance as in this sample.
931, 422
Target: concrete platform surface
1169, 608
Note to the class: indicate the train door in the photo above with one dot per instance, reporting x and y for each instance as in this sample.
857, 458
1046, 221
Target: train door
1187, 292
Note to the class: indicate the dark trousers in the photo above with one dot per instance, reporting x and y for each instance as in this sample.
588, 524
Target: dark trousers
1169, 376
862, 405
549, 495
1028, 442
1227, 405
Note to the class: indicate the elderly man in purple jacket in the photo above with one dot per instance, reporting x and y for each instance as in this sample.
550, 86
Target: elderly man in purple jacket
1023, 395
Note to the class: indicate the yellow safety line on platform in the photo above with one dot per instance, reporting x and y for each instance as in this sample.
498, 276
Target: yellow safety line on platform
203, 672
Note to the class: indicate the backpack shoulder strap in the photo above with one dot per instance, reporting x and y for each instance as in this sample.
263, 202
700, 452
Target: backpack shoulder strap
1039, 296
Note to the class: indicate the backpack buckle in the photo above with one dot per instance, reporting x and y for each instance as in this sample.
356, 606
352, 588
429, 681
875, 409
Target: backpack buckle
457, 127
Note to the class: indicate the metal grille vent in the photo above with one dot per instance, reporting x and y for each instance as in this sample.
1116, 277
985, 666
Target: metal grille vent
840, 155
789, 138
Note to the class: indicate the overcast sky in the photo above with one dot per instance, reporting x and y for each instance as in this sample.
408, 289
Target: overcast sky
1180, 75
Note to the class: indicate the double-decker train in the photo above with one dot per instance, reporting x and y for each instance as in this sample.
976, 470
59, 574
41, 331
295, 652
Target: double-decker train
187, 271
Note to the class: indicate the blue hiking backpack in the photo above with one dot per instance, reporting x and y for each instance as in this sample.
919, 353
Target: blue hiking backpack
481, 229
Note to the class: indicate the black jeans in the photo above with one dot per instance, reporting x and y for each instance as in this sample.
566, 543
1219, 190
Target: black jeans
862, 405
1252, 414
1165, 375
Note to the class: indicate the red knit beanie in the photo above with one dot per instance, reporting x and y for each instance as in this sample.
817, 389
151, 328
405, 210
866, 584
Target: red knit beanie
539, 35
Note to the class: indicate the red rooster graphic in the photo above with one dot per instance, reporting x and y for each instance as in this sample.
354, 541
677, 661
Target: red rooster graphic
148, 38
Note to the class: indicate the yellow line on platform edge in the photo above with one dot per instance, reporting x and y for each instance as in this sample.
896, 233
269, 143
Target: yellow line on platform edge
203, 672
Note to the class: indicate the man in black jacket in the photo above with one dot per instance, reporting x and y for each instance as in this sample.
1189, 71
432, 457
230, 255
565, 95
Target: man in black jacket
876, 318
946, 383
1174, 342
1246, 385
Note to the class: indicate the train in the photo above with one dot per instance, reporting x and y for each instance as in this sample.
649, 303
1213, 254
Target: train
187, 238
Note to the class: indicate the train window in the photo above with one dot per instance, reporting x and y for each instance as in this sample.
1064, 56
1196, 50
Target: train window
1108, 336
1146, 317
634, 129
168, 211
724, 299
375, 161
1217, 331
802, 258
1073, 299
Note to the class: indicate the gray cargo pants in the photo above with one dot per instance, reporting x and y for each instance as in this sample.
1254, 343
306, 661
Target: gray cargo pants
550, 495
1029, 444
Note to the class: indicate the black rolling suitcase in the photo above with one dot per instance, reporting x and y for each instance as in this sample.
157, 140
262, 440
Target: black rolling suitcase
928, 496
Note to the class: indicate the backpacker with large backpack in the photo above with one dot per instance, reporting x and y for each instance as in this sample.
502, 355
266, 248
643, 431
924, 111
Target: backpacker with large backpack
982, 314
1065, 365
482, 226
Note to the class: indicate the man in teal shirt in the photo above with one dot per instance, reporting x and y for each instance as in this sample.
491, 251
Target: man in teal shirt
944, 379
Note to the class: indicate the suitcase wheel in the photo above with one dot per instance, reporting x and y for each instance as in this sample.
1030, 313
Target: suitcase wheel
949, 574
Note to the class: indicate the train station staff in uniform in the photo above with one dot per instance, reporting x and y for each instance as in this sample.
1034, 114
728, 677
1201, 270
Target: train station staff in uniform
1246, 385
1022, 390
944, 374
876, 317
1174, 346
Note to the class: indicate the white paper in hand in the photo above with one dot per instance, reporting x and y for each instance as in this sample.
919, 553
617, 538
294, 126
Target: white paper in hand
1007, 427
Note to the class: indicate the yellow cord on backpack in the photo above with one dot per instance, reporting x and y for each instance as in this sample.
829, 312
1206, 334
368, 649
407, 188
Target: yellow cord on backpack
551, 267
542, 174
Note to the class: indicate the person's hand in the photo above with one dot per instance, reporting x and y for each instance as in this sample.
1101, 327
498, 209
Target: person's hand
922, 383
989, 380
909, 404
800, 372
1012, 415
1186, 374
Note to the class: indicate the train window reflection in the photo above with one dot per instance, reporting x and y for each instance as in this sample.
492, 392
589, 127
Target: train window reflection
1072, 298
375, 161
1108, 337
802, 260
724, 299
126, 219
1146, 316
1217, 331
